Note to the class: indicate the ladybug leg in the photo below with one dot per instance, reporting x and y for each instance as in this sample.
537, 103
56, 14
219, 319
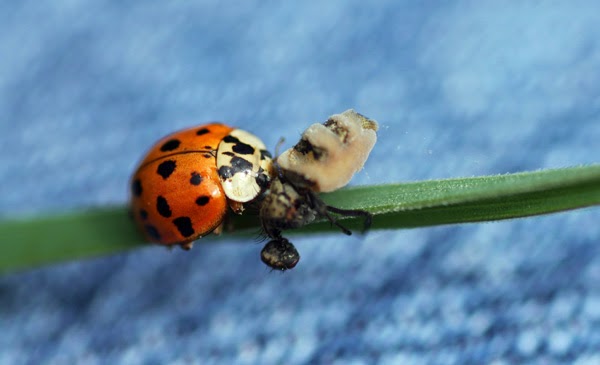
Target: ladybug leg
236, 207
228, 223
219, 229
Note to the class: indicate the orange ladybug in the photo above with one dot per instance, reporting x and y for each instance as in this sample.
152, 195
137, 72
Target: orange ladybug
181, 189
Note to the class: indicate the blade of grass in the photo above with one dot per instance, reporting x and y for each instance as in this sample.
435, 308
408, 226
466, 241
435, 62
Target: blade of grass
475, 199
41, 240
422, 194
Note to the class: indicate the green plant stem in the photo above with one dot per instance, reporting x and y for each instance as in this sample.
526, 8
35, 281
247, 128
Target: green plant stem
34, 241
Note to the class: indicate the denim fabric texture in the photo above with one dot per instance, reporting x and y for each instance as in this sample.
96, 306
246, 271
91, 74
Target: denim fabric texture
460, 88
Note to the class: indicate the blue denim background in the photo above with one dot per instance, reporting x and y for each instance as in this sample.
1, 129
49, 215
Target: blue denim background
460, 88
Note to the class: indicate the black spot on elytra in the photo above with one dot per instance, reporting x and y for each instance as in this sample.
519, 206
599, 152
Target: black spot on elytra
202, 200
136, 187
166, 168
202, 131
196, 178
264, 154
184, 226
208, 155
163, 206
152, 231
143, 214
170, 145
208, 147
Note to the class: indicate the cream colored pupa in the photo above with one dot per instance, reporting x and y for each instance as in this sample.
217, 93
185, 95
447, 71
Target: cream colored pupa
329, 154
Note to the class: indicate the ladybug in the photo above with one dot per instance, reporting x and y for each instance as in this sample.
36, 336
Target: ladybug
325, 159
181, 189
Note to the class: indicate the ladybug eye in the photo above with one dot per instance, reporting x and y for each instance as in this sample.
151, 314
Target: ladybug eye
280, 254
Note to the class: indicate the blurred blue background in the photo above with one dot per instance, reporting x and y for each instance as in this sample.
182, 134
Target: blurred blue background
459, 88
